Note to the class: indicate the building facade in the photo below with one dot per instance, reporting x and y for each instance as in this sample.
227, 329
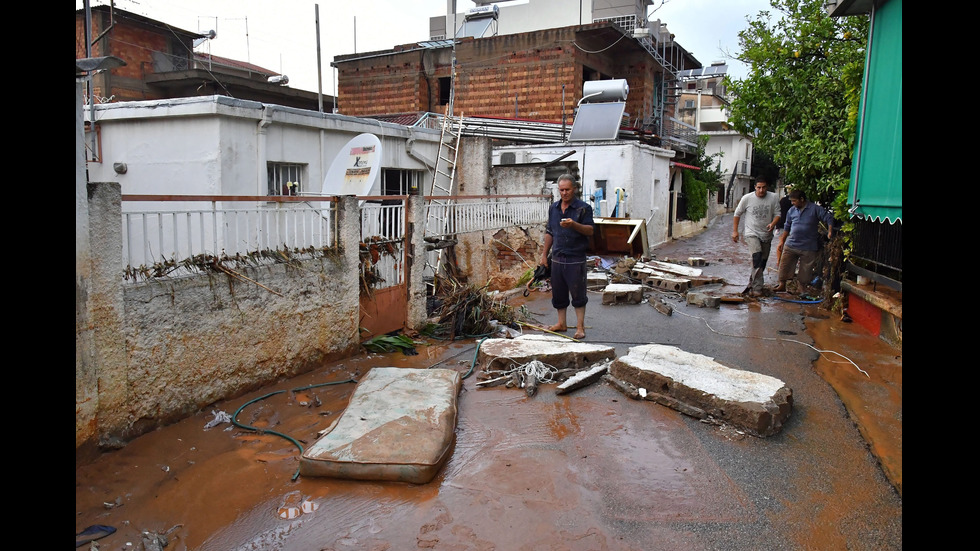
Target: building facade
160, 63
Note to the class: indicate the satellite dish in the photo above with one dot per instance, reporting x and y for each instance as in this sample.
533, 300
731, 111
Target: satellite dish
355, 168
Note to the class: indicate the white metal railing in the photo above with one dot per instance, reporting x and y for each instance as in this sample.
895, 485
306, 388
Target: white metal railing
462, 216
159, 236
154, 237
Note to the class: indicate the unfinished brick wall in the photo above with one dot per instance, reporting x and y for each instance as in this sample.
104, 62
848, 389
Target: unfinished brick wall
131, 41
508, 76
511, 259
374, 86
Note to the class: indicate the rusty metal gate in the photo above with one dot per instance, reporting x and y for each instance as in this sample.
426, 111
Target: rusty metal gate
383, 259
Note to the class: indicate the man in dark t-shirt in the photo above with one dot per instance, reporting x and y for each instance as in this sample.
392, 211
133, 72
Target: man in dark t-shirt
566, 237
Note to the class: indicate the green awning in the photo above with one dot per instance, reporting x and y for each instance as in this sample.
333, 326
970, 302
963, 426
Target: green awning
876, 171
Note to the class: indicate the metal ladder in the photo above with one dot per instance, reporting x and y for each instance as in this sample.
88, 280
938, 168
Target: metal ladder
439, 208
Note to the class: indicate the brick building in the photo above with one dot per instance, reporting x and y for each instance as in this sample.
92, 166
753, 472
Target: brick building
535, 75
161, 64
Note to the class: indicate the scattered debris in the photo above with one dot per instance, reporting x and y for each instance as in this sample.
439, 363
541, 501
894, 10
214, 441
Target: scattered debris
154, 541
113, 504
391, 343
584, 377
702, 300
662, 306
219, 418
467, 311
92, 533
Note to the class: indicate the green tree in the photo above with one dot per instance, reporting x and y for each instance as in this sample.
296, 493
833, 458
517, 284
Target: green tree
800, 99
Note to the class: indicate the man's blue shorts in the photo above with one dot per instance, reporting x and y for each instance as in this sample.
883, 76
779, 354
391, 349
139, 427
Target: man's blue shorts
568, 277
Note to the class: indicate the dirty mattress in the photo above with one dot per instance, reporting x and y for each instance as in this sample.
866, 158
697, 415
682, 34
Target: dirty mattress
400, 425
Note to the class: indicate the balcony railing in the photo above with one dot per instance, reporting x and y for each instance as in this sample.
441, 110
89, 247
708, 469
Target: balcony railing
461, 214
680, 135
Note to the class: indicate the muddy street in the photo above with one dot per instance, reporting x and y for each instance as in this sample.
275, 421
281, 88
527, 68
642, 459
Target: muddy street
590, 470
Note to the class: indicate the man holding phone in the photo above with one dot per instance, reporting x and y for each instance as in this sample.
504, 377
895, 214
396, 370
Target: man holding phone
566, 237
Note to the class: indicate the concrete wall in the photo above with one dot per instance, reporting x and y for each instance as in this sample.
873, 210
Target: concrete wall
498, 259
85, 368
165, 348
641, 170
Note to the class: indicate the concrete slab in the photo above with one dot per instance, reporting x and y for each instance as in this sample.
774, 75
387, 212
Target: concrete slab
555, 351
699, 386
622, 293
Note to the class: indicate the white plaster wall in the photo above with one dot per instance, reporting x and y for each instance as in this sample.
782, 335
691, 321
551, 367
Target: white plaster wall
220, 146
641, 170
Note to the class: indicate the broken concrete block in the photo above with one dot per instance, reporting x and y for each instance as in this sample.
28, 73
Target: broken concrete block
641, 274
698, 386
669, 283
555, 351
596, 281
697, 261
702, 300
622, 293
662, 306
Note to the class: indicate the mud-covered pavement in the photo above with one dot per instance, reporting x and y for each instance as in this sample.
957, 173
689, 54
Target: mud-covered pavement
590, 470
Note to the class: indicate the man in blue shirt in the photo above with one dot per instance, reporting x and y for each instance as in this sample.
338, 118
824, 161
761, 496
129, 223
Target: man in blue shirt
798, 242
566, 237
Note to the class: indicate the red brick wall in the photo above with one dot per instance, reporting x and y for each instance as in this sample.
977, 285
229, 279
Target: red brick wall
385, 85
130, 41
494, 73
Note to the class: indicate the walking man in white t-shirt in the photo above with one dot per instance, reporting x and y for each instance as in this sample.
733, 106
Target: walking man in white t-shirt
761, 212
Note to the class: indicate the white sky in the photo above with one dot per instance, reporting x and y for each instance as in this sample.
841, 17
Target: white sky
280, 35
